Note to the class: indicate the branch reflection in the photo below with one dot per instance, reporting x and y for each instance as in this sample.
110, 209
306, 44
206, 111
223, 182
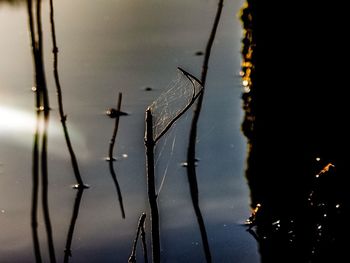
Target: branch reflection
42, 111
68, 251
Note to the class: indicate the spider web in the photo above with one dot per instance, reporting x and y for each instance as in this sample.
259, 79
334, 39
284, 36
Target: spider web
170, 105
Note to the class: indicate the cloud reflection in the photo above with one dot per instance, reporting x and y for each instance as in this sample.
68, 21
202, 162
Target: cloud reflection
19, 125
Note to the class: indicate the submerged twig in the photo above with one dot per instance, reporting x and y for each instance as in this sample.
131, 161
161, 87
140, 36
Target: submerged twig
67, 251
63, 116
191, 151
140, 228
110, 156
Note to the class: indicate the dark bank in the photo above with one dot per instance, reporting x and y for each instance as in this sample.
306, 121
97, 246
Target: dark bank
295, 77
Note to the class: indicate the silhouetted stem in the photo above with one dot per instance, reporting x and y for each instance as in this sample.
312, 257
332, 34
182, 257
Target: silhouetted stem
67, 251
140, 228
34, 52
152, 198
60, 101
110, 156
191, 152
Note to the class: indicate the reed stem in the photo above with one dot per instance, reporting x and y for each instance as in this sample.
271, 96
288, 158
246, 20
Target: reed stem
152, 197
111, 159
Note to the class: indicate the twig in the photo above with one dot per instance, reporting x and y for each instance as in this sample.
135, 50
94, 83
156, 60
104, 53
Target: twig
63, 116
110, 156
191, 152
150, 143
40, 62
140, 228
144, 245
152, 197
42, 105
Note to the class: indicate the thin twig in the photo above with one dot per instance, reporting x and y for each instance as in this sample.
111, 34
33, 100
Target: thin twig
144, 245
191, 151
40, 62
140, 228
110, 156
63, 116
150, 143
152, 197
193, 132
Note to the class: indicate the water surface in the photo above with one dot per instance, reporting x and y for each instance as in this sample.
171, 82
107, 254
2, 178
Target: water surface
106, 48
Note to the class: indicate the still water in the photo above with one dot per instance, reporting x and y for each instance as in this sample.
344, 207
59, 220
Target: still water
107, 47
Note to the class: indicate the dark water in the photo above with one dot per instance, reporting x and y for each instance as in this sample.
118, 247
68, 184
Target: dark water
106, 48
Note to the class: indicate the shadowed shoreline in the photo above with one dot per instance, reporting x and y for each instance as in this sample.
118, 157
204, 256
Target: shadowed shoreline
294, 122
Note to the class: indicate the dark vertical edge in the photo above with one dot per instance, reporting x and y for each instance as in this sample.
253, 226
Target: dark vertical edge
152, 198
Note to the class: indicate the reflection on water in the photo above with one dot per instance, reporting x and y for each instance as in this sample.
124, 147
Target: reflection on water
42, 107
75, 213
192, 141
132, 45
